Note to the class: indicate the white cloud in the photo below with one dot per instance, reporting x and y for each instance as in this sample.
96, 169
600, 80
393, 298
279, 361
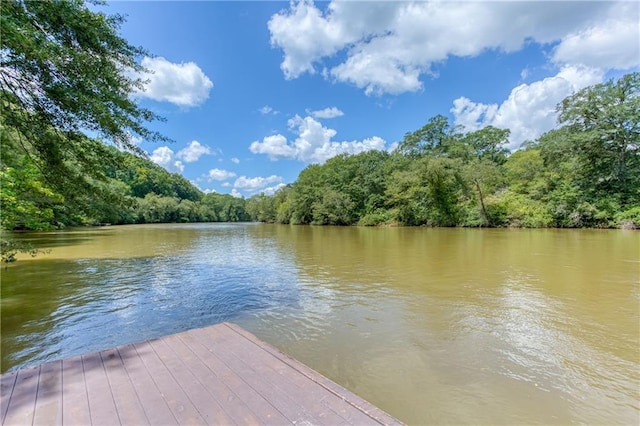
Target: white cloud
246, 186
193, 152
164, 156
614, 42
530, 109
306, 36
265, 110
219, 174
387, 47
235, 160
313, 144
327, 113
273, 189
256, 183
275, 146
182, 84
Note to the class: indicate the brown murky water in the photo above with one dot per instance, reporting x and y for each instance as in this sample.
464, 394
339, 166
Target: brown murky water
441, 326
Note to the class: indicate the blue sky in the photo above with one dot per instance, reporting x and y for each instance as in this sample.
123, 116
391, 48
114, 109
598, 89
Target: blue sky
253, 92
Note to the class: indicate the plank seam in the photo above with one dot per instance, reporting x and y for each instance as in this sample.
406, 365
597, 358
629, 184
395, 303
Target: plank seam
124, 367
184, 392
287, 360
113, 398
35, 400
61, 391
86, 390
195, 376
154, 381
186, 377
240, 377
135, 388
285, 394
13, 386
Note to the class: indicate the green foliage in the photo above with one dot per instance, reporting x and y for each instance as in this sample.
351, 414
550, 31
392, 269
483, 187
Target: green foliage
65, 70
334, 208
586, 173
380, 217
603, 125
262, 208
25, 200
9, 249
433, 138
628, 219
518, 210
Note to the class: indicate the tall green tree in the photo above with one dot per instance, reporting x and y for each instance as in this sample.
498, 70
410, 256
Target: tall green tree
604, 136
433, 138
65, 70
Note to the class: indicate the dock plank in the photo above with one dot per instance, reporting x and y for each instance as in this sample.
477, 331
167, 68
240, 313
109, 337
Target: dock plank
130, 410
331, 386
217, 375
283, 365
23, 399
280, 399
207, 406
179, 403
156, 408
7, 381
48, 408
322, 406
102, 407
75, 404
239, 412
259, 405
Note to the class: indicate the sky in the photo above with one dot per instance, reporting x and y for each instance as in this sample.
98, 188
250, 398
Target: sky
254, 92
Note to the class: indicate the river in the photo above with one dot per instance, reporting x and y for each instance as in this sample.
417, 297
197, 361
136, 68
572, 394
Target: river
440, 326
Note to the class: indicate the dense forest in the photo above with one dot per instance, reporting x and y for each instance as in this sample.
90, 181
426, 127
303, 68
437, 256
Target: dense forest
65, 73
62, 77
585, 173
125, 189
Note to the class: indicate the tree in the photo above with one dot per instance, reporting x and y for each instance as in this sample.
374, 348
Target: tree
427, 193
604, 135
433, 138
64, 70
483, 152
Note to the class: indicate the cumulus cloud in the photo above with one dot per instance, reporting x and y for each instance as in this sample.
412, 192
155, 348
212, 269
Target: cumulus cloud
613, 42
255, 183
219, 174
273, 189
331, 112
266, 110
275, 146
165, 157
387, 47
235, 160
246, 186
193, 152
174, 162
313, 144
183, 84
530, 109
306, 35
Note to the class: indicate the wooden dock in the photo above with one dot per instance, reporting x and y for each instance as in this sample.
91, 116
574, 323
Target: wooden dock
220, 375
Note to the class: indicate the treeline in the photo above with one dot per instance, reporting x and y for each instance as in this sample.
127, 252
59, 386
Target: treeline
586, 173
123, 188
